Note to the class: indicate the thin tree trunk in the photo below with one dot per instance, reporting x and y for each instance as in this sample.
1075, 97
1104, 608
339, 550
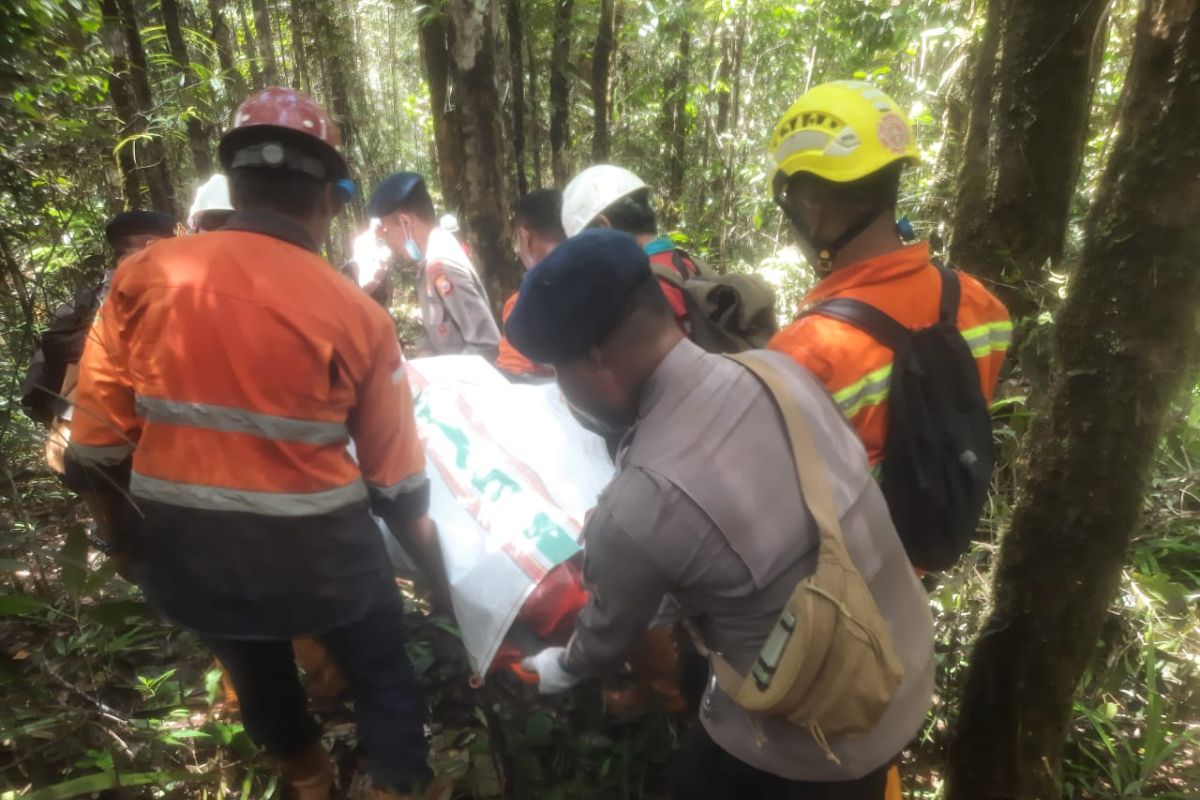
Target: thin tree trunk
157, 176
329, 28
248, 46
266, 48
1031, 119
674, 123
298, 54
517, 70
1123, 340
113, 36
435, 52
485, 197
535, 116
601, 64
197, 135
560, 90
224, 41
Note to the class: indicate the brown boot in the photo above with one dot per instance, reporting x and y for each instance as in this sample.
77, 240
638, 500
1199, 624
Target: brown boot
310, 773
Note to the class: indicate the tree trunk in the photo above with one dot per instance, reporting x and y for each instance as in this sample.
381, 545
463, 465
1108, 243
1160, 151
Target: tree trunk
329, 28
435, 52
251, 52
266, 48
535, 116
113, 37
601, 63
1123, 339
674, 124
1030, 119
156, 174
515, 44
560, 90
298, 54
197, 135
224, 41
485, 197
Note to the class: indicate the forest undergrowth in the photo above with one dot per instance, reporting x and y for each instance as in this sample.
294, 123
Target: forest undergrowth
96, 693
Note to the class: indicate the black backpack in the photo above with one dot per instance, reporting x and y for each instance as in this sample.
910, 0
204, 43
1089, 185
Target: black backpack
937, 459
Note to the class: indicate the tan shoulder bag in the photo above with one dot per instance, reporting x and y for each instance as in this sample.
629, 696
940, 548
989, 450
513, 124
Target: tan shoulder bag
829, 664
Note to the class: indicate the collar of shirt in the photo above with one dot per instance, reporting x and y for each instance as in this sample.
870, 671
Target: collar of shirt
660, 245
271, 224
674, 377
880, 269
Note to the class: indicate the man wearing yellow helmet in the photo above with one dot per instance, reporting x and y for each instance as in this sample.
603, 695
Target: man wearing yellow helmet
838, 153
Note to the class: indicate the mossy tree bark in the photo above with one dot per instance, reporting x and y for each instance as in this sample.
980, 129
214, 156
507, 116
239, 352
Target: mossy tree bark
1123, 340
1024, 146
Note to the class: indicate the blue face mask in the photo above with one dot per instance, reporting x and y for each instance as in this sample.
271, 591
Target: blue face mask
411, 248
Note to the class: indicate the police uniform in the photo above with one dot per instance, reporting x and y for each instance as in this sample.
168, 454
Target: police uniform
705, 508
454, 305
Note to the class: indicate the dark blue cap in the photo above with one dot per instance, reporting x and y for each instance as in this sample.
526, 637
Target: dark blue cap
574, 297
132, 223
393, 191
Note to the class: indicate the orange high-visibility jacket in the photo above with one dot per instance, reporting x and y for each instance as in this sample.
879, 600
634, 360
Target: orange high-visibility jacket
235, 367
510, 360
855, 367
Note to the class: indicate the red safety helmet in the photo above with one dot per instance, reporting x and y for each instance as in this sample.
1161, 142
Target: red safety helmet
284, 129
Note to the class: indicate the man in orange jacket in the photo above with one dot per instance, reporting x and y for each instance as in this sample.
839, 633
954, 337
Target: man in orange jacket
838, 154
218, 392
539, 230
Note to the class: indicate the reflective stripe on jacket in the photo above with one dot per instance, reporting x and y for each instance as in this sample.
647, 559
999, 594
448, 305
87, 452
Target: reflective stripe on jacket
235, 366
857, 369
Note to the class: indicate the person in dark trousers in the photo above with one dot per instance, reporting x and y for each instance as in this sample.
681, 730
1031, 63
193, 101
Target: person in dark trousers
48, 393
225, 378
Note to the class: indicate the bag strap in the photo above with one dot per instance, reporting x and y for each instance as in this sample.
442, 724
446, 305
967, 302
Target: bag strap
809, 470
867, 318
810, 473
951, 294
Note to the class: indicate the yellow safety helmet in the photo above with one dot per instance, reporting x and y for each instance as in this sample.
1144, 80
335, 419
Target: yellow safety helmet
840, 131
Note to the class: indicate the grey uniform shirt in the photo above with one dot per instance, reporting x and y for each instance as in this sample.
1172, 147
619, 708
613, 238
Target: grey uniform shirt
706, 507
454, 305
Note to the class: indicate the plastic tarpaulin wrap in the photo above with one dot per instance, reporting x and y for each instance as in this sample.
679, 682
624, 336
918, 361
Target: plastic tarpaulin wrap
512, 477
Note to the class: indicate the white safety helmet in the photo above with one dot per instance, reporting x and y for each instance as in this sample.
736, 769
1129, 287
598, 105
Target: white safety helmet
592, 191
213, 195
449, 223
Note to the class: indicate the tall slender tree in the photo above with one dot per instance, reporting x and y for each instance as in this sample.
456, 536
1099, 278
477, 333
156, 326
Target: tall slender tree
535, 114
299, 56
1123, 340
231, 75
248, 47
673, 128
1024, 143
601, 63
434, 30
266, 46
516, 67
485, 198
156, 173
560, 90
198, 136
113, 36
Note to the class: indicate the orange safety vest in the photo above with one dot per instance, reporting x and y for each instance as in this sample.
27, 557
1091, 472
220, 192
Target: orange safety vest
510, 360
236, 367
855, 368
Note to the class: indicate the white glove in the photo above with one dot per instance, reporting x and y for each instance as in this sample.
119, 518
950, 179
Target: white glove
552, 675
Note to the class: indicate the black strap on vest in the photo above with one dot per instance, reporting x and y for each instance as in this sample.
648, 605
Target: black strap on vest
880, 326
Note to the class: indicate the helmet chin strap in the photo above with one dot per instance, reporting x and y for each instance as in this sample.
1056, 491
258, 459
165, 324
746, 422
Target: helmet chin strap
827, 251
